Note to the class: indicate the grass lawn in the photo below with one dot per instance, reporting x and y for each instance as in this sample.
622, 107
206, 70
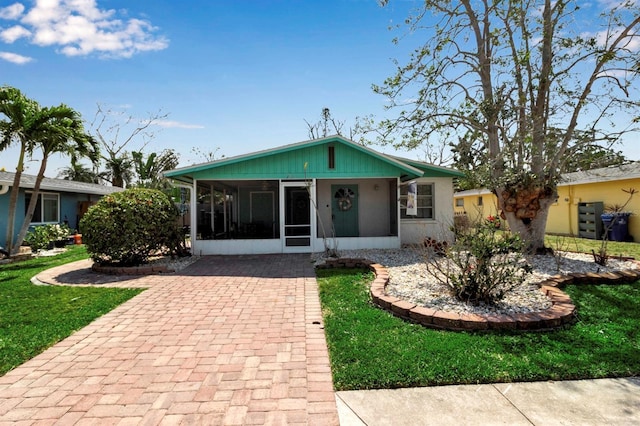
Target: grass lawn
32, 318
370, 348
583, 245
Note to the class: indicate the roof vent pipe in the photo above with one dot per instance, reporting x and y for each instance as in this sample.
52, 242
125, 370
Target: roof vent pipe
4, 189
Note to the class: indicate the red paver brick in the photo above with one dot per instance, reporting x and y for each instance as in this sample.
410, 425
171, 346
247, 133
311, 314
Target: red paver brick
402, 308
446, 319
422, 315
232, 340
501, 322
473, 322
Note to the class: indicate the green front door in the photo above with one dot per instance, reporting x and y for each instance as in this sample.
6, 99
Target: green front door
344, 210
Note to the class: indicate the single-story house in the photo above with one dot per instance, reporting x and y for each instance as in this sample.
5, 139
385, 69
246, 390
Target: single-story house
578, 192
59, 201
313, 195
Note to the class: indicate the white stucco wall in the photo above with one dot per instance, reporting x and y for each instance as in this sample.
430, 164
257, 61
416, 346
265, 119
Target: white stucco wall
413, 231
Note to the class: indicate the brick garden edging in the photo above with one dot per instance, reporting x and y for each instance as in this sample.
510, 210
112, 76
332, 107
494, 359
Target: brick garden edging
560, 313
134, 270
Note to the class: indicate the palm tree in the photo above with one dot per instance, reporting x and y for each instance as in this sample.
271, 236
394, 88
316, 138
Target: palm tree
23, 122
150, 170
118, 169
62, 132
79, 172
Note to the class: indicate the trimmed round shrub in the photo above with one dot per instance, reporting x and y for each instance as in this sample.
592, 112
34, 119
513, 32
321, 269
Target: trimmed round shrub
127, 227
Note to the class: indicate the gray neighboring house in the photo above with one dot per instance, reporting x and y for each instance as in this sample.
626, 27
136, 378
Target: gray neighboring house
59, 201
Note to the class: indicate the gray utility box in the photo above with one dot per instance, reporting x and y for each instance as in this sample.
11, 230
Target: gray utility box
589, 220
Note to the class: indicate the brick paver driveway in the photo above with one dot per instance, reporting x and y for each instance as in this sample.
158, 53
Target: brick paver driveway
228, 340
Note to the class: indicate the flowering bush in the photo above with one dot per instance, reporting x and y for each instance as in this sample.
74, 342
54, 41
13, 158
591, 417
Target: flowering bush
40, 237
58, 232
494, 221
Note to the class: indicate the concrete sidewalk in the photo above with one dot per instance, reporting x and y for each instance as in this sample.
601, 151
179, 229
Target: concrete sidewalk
580, 402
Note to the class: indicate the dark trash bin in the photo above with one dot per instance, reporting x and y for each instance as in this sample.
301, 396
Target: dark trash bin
616, 225
606, 225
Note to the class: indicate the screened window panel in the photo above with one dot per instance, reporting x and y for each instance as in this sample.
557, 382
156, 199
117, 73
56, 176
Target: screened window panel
425, 202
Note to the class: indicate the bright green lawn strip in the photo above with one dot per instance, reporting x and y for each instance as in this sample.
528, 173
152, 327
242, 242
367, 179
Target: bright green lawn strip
585, 245
370, 348
32, 318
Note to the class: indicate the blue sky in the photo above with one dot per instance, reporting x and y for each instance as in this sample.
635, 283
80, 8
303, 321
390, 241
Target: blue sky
237, 75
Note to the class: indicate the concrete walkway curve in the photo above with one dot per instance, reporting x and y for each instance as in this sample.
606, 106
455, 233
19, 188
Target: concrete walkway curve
229, 340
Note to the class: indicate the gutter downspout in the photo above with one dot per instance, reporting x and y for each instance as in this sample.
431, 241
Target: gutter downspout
4, 189
570, 213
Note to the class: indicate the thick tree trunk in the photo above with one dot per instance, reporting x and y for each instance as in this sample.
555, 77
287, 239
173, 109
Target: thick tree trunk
526, 210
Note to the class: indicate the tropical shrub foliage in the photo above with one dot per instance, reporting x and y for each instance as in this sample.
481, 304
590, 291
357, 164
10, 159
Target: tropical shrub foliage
127, 227
40, 236
483, 265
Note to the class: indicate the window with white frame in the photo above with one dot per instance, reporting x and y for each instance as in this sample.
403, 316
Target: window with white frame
47, 208
425, 202
459, 202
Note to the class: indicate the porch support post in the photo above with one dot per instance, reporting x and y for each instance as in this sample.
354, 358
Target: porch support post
314, 212
224, 210
194, 215
212, 208
397, 201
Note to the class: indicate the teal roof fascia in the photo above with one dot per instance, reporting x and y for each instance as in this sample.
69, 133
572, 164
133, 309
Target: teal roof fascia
431, 170
411, 171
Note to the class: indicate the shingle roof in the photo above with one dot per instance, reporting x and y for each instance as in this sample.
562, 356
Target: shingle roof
479, 191
428, 168
62, 185
626, 171
605, 174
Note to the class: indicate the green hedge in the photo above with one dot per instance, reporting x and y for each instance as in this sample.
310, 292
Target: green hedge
127, 227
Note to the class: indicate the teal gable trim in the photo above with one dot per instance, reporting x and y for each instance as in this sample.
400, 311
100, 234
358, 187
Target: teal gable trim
431, 170
305, 160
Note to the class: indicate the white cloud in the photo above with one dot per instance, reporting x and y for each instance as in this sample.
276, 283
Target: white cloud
14, 33
605, 37
618, 4
15, 58
11, 12
614, 73
177, 125
80, 28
